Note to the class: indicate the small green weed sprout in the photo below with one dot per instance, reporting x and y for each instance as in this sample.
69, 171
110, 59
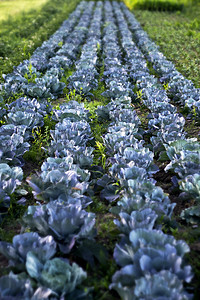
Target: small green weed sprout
194, 111
139, 95
31, 76
100, 148
60, 44
72, 95
40, 138
41, 141
98, 47
166, 86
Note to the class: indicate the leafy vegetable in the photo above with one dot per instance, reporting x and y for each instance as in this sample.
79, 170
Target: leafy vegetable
13, 287
43, 248
137, 219
67, 223
56, 274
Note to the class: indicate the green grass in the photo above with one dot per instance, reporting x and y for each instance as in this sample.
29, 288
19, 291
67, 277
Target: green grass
178, 35
22, 34
9, 8
160, 5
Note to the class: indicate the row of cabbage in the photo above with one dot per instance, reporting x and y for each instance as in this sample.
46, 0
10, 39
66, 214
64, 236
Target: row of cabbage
26, 78
40, 58
181, 89
152, 264
85, 78
165, 124
115, 75
25, 114
61, 222
66, 180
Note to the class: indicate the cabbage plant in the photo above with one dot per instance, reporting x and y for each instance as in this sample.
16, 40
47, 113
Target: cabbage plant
13, 287
162, 285
67, 223
16, 253
141, 238
71, 110
60, 167
150, 261
10, 177
184, 156
191, 215
57, 275
191, 185
144, 218
78, 132
120, 139
144, 194
141, 158
30, 120
12, 144
125, 115
30, 105
55, 183
82, 156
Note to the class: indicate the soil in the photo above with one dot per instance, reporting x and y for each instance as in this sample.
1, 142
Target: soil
30, 167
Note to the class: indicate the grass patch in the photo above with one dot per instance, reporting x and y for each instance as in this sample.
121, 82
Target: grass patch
178, 35
157, 5
10, 8
22, 34
160, 5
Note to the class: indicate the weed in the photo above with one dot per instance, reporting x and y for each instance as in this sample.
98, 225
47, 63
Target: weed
194, 112
139, 95
98, 130
25, 52
7, 235
60, 44
48, 122
64, 79
73, 95
30, 76
166, 87
100, 278
98, 47
13, 98
100, 149
41, 141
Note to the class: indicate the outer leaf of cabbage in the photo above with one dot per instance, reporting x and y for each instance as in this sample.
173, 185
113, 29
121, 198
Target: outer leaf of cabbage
163, 285
12, 286
137, 219
191, 185
191, 214
56, 274
43, 248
